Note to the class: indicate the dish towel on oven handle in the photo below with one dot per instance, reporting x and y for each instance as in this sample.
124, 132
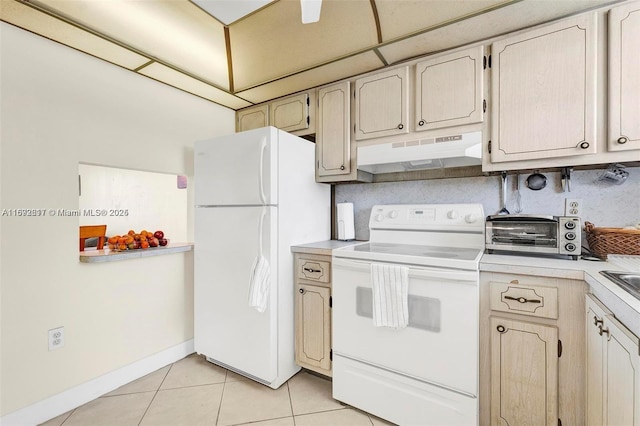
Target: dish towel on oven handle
390, 295
260, 276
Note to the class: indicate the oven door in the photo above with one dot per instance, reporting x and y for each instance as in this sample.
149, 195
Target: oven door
440, 344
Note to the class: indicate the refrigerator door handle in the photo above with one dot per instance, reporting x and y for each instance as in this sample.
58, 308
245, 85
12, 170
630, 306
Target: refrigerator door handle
263, 148
260, 230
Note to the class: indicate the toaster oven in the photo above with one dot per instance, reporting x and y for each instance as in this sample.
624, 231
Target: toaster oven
534, 234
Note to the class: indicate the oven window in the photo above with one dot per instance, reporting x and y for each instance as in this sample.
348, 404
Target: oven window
539, 234
424, 312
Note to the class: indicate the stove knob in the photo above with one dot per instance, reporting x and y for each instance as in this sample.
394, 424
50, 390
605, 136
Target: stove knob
379, 218
470, 218
393, 214
452, 214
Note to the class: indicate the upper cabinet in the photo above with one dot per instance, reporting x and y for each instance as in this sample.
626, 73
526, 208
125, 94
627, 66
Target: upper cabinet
291, 113
333, 150
624, 77
252, 118
294, 114
382, 104
449, 90
544, 92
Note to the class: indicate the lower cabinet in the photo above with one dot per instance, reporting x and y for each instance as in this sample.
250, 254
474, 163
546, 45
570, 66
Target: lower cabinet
313, 312
531, 350
613, 369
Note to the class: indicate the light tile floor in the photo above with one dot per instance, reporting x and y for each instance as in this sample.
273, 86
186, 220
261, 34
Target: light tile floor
194, 392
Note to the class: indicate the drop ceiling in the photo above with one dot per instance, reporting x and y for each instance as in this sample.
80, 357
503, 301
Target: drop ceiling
241, 52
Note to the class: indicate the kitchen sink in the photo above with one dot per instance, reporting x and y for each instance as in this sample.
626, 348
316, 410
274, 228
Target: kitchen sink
629, 281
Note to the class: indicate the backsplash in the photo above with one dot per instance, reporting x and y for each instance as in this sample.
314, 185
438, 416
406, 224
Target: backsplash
604, 204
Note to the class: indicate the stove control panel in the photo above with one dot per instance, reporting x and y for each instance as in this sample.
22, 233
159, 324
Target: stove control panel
427, 216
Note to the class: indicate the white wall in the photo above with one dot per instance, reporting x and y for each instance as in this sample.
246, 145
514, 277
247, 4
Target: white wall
60, 108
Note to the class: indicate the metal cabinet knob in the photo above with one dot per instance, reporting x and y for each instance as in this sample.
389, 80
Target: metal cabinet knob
342, 167
596, 321
584, 144
301, 291
421, 123
500, 328
400, 126
623, 140
603, 330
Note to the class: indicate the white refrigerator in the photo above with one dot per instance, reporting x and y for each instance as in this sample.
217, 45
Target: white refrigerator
255, 196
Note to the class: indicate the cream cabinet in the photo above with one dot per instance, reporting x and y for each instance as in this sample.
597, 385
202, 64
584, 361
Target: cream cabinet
449, 90
382, 104
313, 312
524, 373
291, 113
624, 77
294, 114
612, 369
544, 93
531, 350
252, 118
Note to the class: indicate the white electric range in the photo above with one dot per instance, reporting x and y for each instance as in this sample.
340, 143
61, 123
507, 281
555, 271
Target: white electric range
427, 372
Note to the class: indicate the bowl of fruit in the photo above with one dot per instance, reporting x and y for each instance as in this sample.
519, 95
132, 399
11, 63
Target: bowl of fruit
137, 241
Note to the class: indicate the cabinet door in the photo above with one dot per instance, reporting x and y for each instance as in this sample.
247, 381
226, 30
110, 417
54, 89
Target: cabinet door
624, 77
622, 379
594, 361
449, 90
290, 114
382, 104
524, 371
252, 118
544, 92
313, 327
333, 148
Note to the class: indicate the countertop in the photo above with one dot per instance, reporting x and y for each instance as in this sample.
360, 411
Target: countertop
623, 305
323, 247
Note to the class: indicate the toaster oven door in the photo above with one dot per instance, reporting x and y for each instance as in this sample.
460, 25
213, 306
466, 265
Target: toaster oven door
523, 234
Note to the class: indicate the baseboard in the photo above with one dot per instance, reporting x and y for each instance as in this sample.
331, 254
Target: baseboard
72, 398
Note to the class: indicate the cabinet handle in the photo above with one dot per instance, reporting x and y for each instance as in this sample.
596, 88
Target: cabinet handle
522, 299
603, 331
342, 167
500, 328
514, 282
421, 123
596, 321
311, 270
623, 139
400, 126
301, 291
584, 144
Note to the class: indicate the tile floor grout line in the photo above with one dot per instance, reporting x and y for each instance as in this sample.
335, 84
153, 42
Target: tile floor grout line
224, 385
154, 395
67, 418
291, 403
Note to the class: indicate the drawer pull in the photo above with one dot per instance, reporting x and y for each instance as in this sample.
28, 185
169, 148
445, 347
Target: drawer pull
522, 299
311, 270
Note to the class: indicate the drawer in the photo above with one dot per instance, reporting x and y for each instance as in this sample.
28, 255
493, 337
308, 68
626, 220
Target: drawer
534, 300
313, 270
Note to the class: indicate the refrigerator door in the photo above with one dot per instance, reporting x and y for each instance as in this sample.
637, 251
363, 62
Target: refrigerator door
226, 328
239, 169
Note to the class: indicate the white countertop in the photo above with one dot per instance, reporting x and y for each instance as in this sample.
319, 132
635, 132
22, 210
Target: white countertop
623, 305
322, 247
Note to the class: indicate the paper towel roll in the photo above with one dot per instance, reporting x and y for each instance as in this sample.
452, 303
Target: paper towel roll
345, 222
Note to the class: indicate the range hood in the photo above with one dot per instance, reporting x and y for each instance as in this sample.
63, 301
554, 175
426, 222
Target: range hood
457, 150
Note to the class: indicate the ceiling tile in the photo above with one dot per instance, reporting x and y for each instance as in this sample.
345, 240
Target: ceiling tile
274, 43
400, 18
188, 84
175, 32
484, 26
32, 20
345, 68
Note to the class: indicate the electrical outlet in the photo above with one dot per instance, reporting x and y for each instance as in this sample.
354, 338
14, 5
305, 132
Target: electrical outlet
572, 207
56, 338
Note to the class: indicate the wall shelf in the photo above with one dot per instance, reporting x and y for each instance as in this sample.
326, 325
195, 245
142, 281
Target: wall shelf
101, 256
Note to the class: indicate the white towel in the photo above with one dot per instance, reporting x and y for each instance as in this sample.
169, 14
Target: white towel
390, 295
259, 285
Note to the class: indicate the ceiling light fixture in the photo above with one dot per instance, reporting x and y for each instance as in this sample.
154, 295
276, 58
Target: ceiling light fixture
310, 10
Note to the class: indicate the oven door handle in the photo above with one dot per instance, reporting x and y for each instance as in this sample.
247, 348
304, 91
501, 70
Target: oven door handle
415, 272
